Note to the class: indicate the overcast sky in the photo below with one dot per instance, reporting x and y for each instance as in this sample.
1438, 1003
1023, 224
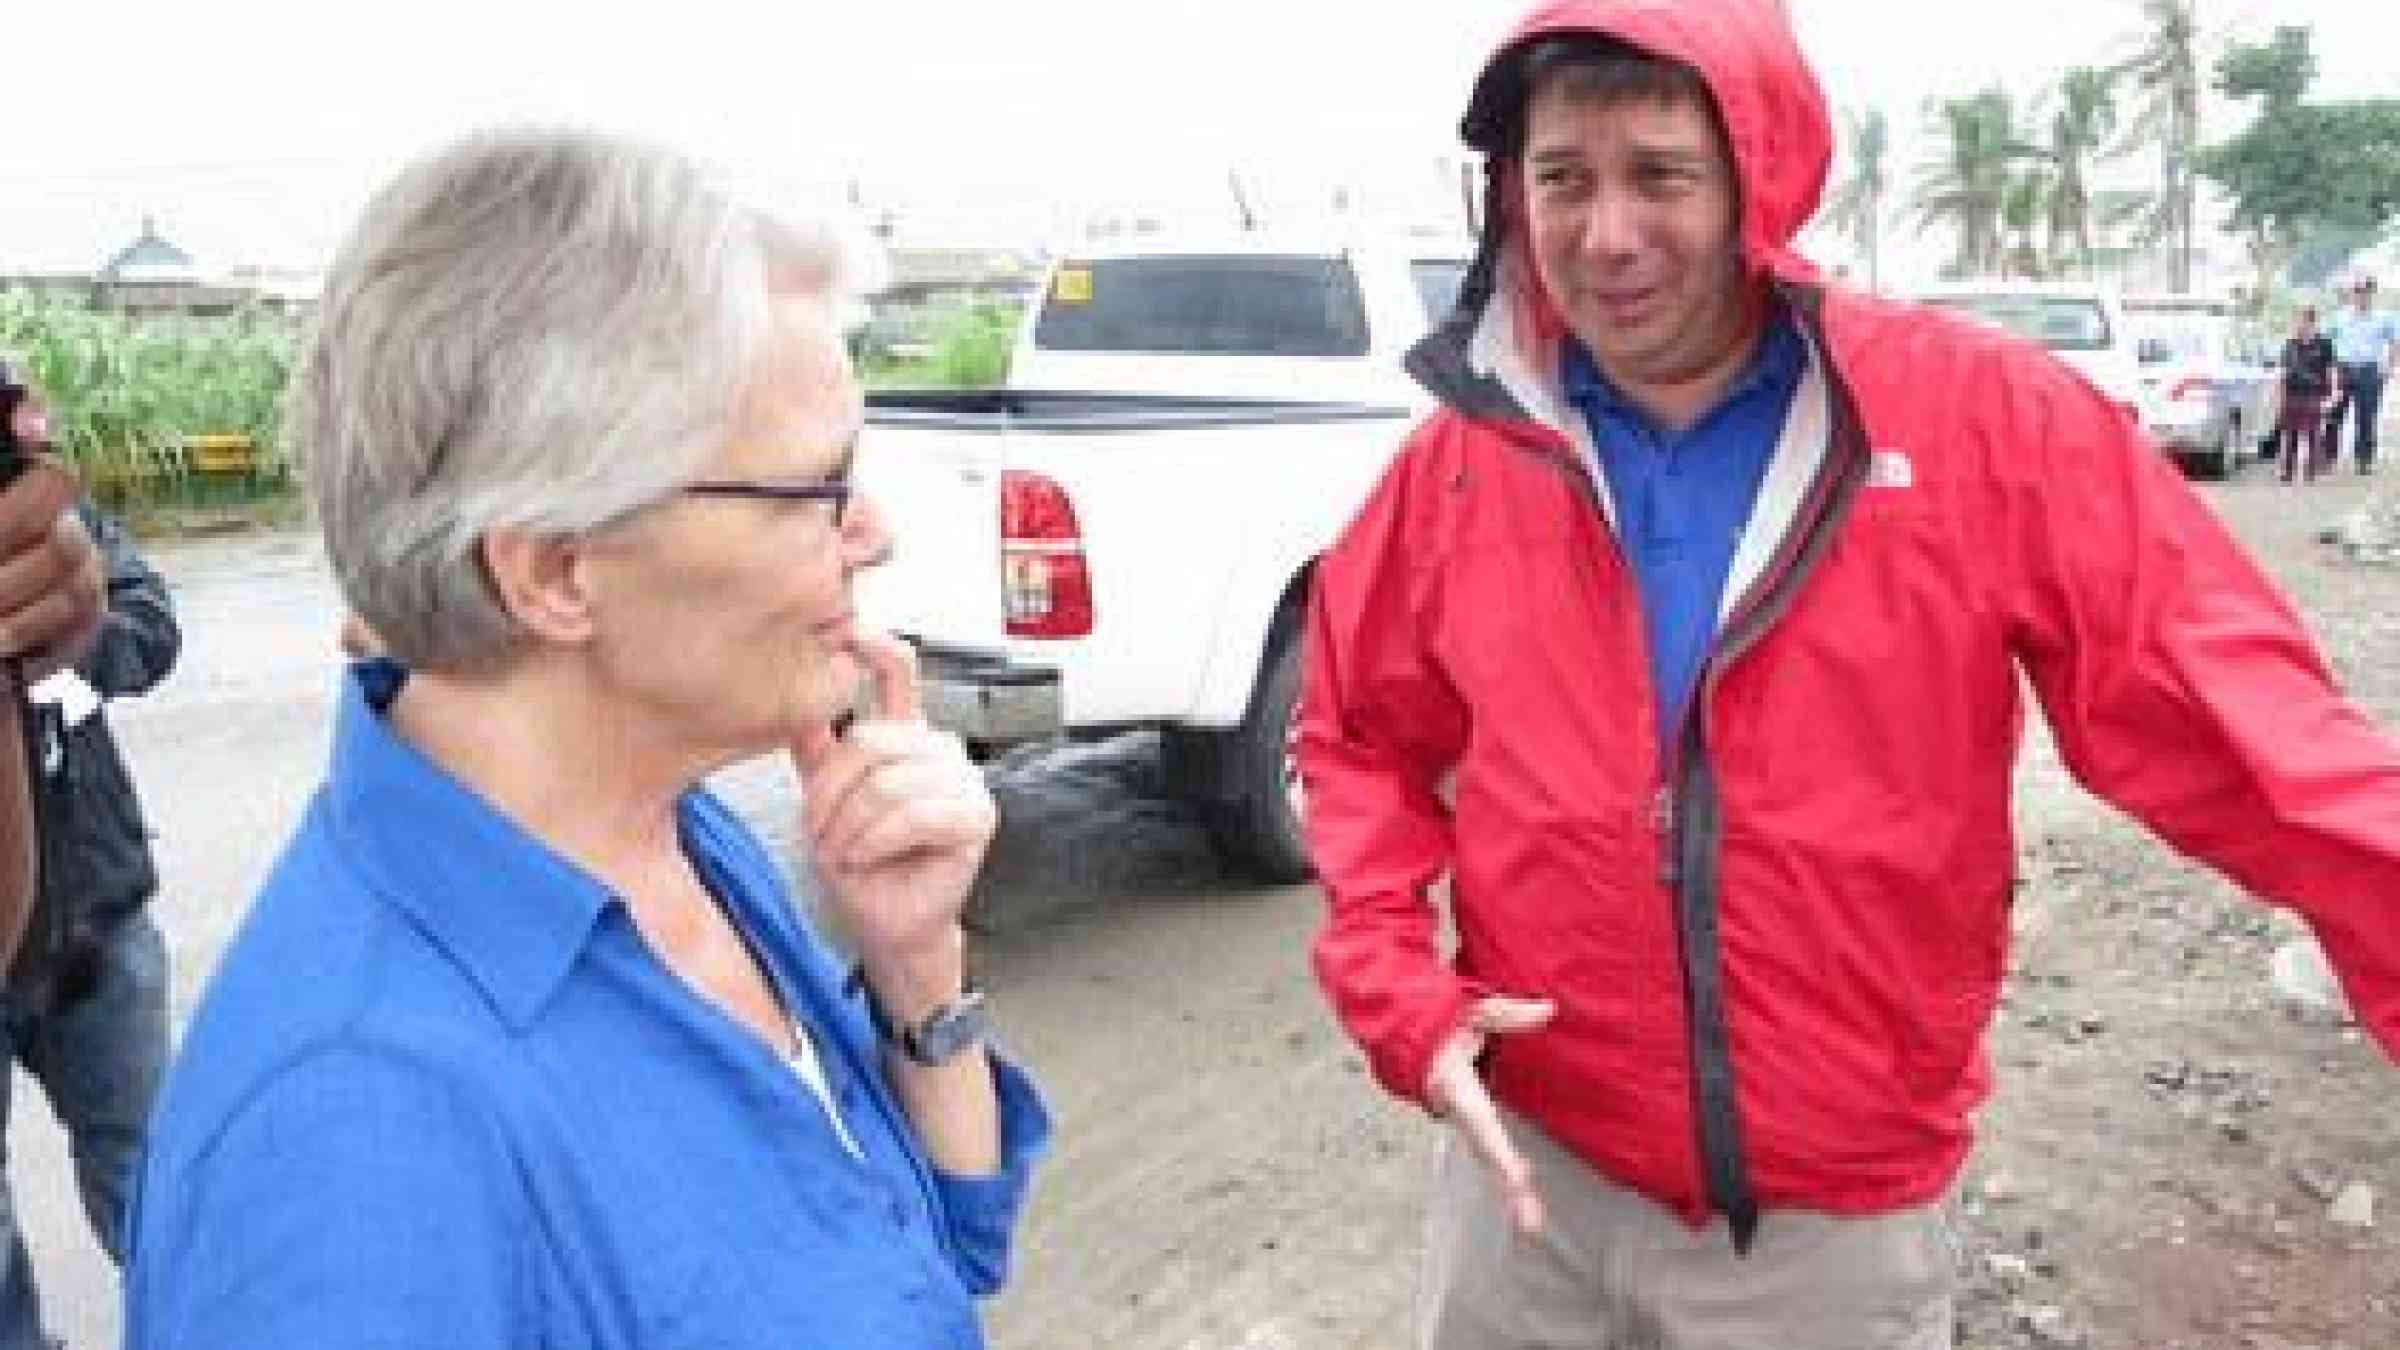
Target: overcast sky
253, 128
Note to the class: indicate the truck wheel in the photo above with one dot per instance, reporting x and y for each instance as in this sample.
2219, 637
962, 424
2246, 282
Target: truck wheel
1257, 826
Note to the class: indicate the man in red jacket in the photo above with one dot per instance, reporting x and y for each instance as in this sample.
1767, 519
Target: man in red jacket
1684, 640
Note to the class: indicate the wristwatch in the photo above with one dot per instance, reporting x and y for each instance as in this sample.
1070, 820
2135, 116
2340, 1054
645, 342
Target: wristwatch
941, 1035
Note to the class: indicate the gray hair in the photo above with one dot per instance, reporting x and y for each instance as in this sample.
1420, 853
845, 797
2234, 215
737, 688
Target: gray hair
532, 328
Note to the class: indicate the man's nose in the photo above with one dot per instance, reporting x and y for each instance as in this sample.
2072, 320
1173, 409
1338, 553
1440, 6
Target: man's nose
1611, 224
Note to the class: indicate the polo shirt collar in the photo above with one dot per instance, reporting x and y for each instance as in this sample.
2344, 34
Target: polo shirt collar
1775, 365
510, 911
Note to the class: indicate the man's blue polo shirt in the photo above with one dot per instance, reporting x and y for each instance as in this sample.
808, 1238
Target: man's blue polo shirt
1682, 498
441, 1094
2364, 339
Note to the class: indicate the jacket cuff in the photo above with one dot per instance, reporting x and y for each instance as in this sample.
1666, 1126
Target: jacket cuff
1404, 1059
982, 1210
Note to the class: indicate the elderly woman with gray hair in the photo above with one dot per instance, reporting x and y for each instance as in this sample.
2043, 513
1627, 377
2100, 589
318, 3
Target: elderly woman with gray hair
523, 1042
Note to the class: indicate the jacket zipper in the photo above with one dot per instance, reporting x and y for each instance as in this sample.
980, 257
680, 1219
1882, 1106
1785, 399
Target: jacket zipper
1685, 770
1665, 798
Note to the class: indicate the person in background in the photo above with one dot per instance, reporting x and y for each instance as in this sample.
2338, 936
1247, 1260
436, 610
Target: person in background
1686, 642
85, 1006
52, 587
2307, 380
525, 1040
2366, 347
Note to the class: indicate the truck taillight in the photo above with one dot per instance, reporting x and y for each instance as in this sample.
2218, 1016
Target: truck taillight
1045, 588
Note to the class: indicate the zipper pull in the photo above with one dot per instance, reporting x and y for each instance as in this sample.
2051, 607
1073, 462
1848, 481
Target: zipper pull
1662, 822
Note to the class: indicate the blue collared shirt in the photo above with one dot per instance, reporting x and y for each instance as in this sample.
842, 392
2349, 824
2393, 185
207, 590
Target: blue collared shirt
440, 1093
2364, 339
1682, 498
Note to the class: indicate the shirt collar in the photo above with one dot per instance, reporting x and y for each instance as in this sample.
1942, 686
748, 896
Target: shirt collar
1775, 365
511, 912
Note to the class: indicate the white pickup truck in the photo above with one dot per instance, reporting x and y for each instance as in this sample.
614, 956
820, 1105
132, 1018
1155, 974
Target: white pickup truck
1123, 537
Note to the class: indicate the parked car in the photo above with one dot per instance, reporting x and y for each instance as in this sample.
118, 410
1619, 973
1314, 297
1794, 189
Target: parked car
1124, 537
2206, 396
2083, 326
2210, 386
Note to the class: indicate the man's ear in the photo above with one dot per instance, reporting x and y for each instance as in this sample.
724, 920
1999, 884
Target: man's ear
540, 582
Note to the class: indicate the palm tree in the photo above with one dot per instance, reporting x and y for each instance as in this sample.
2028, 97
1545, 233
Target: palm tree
1857, 206
2023, 206
1965, 185
2079, 129
2165, 67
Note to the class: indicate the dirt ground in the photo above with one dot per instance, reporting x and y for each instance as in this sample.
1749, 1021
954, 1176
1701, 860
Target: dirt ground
2162, 1155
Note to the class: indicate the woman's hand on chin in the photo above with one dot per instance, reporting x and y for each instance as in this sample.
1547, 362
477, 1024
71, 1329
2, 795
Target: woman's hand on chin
897, 819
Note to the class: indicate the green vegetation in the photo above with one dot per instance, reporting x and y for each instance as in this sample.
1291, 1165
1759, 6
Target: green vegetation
1967, 186
127, 397
141, 406
2302, 171
2012, 184
966, 346
1856, 208
2016, 191
2165, 72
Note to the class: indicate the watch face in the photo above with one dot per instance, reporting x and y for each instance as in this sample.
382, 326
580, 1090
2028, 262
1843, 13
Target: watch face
949, 1032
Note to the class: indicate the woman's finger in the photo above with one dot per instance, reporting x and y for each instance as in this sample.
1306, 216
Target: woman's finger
883, 790
921, 827
893, 666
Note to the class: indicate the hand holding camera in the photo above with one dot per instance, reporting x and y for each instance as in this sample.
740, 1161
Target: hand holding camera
52, 584
52, 597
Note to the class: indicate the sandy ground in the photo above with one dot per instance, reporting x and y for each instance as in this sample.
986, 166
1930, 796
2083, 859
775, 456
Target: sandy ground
2157, 1168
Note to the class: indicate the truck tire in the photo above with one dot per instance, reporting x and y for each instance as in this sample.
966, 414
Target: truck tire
1256, 821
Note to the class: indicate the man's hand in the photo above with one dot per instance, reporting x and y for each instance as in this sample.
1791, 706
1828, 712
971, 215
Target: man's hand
53, 584
53, 591
897, 819
1456, 1094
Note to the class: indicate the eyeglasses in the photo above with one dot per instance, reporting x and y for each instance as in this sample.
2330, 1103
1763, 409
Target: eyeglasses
837, 491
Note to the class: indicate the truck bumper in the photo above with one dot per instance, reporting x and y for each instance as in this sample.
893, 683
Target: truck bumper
988, 698
2185, 436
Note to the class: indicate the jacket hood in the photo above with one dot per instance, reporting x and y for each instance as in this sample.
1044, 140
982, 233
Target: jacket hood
1775, 120
1745, 51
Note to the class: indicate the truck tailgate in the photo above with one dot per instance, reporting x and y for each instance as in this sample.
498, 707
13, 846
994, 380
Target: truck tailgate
939, 487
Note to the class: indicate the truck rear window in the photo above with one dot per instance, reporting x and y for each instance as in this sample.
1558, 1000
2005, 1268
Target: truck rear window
1232, 305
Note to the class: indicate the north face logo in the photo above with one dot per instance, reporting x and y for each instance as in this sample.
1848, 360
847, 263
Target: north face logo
1890, 469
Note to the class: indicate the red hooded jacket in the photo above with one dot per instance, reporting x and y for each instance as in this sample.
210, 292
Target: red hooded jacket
1779, 951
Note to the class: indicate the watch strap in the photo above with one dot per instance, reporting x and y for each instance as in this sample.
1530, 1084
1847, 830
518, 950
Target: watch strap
939, 1036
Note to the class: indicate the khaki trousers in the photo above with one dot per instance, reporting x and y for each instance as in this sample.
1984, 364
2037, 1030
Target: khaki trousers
1614, 1271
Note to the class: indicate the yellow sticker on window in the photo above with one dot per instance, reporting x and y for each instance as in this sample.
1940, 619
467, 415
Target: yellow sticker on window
1072, 286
